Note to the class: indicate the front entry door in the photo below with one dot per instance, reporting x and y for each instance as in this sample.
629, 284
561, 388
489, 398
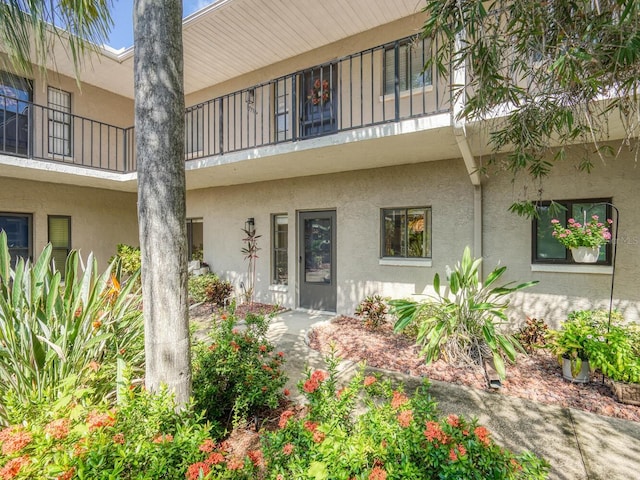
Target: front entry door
317, 247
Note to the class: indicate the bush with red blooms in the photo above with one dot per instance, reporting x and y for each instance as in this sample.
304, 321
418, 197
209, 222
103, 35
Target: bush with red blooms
393, 436
144, 437
237, 373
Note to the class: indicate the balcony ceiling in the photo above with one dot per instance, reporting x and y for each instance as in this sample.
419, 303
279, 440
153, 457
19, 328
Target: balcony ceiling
232, 37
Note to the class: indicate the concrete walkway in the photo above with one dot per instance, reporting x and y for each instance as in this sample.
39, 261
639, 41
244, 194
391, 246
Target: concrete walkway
577, 444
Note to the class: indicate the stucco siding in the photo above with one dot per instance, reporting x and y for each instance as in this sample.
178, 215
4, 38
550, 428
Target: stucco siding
100, 219
507, 240
357, 198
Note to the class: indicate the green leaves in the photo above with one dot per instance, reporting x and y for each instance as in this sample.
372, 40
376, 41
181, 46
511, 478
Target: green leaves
27, 28
540, 71
236, 373
49, 333
461, 324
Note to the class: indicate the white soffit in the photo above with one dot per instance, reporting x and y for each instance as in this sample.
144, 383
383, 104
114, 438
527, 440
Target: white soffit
233, 37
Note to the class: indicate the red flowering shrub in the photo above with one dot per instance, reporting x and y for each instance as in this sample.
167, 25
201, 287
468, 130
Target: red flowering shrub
142, 438
397, 436
405, 418
14, 440
58, 429
13, 467
378, 473
241, 376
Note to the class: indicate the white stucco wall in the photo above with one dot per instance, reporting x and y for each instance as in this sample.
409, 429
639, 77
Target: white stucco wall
100, 219
357, 198
507, 239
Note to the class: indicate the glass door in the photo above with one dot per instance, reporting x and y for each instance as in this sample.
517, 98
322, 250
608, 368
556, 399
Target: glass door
317, 247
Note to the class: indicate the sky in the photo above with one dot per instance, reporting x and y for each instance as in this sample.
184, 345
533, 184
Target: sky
121, 35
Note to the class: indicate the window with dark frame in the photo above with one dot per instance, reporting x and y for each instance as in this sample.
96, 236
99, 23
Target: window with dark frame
59, 103
412, 57
59, 232
15, 116
195, 239
19, 230
194, 130
279, 249
406, 232
545, 249
282, 98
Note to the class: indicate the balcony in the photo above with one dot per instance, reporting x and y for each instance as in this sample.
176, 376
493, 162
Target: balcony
42, 133
376, 87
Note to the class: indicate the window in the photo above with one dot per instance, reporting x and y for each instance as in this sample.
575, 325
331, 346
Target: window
195, 239
545, 248
406, 232
15, 95
283, 98
412, 56
18, 227
59, 103
60, 240
280, 243
194, 130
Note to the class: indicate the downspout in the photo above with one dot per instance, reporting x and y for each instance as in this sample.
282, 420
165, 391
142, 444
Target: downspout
458, 77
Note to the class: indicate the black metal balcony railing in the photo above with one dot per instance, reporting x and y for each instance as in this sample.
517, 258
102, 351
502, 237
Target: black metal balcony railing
38, 132
376, 86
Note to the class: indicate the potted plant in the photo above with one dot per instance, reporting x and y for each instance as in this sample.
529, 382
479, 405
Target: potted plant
584, 240
616, 354
571, 343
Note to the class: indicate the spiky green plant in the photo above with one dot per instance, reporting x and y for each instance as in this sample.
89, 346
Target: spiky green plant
50, 330
462, 324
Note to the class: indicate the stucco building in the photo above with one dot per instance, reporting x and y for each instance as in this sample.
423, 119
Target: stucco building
319, 124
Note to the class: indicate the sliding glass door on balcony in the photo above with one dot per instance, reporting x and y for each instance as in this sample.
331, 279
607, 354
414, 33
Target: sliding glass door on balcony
318, 101
15, 114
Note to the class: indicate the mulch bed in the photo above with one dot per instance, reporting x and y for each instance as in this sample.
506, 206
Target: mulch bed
536, 377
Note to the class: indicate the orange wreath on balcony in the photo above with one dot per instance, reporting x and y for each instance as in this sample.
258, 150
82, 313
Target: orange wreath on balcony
320, 92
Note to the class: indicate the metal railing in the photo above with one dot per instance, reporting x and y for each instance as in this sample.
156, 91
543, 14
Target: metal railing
379, 85
376, 86
34, 131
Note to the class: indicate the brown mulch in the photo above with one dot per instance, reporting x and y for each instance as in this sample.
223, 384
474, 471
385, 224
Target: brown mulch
201, 315
536, 377
203, 311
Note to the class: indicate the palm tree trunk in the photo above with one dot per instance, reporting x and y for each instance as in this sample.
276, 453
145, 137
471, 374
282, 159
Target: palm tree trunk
159, 126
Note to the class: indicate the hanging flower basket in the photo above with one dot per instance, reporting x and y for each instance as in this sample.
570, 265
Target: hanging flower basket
584, 239
585, 254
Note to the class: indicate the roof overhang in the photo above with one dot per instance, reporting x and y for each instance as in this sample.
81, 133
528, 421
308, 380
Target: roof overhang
230, 38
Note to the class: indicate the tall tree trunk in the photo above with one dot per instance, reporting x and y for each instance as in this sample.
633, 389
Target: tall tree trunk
159, 126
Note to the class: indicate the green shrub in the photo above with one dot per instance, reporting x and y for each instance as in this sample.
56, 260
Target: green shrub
581, 328
611, 347
209, 288
615, 353
396, 437
129, 256
237, 373
462, 324
50, 333
373, 311
144, 438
